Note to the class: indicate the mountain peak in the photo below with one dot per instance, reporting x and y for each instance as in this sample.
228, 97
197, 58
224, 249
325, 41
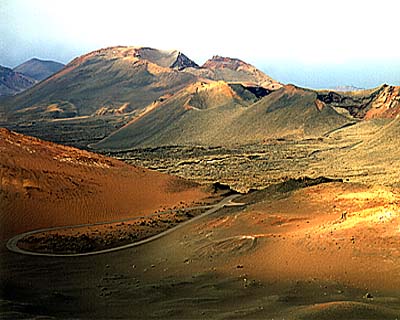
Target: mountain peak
39, 69
183, 62
172, 59
236, 70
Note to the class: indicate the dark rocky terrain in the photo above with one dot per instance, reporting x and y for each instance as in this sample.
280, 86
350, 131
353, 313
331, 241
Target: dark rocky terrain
381, 102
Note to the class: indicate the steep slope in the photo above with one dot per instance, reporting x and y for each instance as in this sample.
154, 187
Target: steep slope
288, 112
12, 82
39, 69
381, 102
234, 70
108, 78
43, 184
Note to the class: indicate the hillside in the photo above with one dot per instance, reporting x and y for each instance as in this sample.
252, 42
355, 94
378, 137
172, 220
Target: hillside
12, 82
45, 184
97, 93
39, 69
288, 112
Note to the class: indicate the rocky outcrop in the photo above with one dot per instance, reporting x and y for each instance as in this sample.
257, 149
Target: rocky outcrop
183, 62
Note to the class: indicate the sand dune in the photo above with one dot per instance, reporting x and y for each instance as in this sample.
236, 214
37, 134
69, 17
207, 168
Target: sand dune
43, 184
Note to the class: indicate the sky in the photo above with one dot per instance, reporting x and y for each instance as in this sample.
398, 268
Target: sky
310, 43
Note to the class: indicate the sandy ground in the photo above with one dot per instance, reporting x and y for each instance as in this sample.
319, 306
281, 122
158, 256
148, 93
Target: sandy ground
43, 184
284, 256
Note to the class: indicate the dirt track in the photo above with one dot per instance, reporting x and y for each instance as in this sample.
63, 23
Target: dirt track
12, 244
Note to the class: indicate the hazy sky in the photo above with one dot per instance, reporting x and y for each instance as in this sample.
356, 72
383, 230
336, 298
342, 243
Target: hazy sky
310, 43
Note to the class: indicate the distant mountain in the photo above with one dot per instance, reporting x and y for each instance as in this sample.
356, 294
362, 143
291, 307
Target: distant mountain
234, 70
24, 76
122, 80
346, 88
39, 69
125, 97
104, 81
12, 82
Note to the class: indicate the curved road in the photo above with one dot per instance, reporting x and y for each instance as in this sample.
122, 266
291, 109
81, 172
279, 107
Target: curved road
12, 244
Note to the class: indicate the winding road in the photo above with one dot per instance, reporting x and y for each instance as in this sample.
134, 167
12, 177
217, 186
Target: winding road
12, 244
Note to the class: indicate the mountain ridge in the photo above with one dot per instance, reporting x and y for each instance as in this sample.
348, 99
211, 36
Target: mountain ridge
124, 78
97, 93
288, 112
110, 77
